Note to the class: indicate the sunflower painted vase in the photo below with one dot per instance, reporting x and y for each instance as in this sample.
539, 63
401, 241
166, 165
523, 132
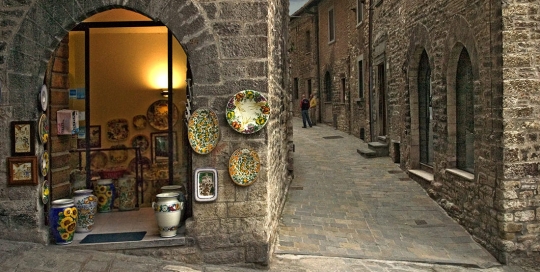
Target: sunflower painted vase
63, 220
167, 209
105, 192
86, 204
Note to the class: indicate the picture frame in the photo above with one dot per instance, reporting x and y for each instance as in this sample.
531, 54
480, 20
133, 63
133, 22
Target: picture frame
160, 147
94, 132
23, 138
206, 184
22, 170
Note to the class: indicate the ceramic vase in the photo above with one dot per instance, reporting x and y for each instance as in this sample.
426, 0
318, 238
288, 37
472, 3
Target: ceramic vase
105, 192
126, 194
63, 220
86, 204
181, 197
167, 209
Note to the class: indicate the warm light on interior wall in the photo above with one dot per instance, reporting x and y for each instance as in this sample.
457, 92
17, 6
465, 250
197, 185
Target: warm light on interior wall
157, 77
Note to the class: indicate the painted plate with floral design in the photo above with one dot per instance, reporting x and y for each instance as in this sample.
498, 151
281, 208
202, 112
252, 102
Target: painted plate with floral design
157, 115
117, 129
244, 166
45, 192
118, 154
139, 122
44, 163
43, 129
203, 130
247, 111
98, 160
141, 141
144, 163
44, 97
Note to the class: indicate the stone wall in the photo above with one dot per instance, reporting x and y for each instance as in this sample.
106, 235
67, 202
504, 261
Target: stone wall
517, 191
231, 46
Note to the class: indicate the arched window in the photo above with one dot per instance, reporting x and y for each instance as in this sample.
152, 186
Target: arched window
425, 110
328, 87
464, 113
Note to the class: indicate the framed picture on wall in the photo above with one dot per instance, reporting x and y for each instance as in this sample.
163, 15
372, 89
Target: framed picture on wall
94, 132
206, 184
22, 138
160, 147
22, 170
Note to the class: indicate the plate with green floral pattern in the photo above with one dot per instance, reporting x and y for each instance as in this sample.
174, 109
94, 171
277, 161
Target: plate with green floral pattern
203, 130
247, 111
244, 166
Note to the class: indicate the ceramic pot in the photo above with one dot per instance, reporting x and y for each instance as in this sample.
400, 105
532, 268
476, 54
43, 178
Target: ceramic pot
86, 204
167, 209
126, 194
181, 197
63, 220
105, 192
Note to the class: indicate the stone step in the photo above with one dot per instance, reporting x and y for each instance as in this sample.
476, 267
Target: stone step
380, 148
366, 153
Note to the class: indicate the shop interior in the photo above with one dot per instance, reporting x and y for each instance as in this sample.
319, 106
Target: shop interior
124, 71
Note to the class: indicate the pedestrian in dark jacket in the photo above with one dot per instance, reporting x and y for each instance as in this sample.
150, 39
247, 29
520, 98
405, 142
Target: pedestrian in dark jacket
304, 106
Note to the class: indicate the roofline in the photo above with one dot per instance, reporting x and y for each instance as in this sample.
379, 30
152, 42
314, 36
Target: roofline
305, 7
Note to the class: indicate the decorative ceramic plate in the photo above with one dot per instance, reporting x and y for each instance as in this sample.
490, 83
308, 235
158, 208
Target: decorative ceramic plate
119, 155
145, 163
45, 192
44, 163
118, 129
157, 115
98, 160
140, 122
43, 129
206, 187
247, 111
203, 131
44, 97
244, 166
141, 141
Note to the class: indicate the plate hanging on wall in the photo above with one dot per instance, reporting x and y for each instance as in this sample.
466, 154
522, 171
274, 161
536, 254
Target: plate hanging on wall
244, 166
141, 141
43, 130
247, 111
203, 130
44, 97
44, 163
45, 192
157, 115
118, 129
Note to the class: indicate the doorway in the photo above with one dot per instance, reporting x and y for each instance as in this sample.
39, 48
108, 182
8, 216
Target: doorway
381, 101
128, 80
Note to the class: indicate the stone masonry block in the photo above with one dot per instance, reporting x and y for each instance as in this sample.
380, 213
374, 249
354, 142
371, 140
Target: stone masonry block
234, 255
257, 253
212, 210
244, 47
524, 216
212, 242
246, 209
511, 227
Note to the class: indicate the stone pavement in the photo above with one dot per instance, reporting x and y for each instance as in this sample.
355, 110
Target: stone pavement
344, 213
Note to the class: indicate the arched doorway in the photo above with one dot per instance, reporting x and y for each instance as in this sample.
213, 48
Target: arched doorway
118, 82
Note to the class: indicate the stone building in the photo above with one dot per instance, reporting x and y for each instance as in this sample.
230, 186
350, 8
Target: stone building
453, 86
223, 47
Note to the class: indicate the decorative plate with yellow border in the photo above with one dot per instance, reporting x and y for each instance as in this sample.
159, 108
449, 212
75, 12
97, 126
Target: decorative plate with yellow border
43, 129
158, 114
45, 192
44, 162
203, 130
247, 111
244, 166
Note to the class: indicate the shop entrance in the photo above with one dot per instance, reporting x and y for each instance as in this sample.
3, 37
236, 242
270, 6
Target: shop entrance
129, 82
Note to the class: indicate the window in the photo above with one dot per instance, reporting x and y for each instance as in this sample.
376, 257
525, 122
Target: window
343, 89
295, 88
359, 11
309, 87
425, 110
331, 26
308, 41
464, 113
328, 87
360, 79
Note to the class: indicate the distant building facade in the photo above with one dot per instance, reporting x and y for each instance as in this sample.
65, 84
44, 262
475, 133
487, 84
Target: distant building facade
451, 87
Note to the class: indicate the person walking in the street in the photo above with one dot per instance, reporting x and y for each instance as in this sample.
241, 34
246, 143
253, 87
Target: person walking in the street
304, 106
313, 109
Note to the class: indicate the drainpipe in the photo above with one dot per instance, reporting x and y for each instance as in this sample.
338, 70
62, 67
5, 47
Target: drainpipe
370, 64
